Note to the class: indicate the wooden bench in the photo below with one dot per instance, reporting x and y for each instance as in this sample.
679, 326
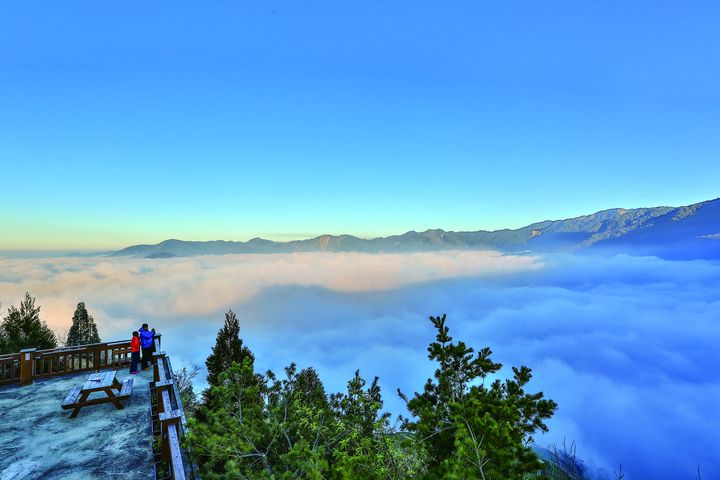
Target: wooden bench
103, 382
126, 388
72, 398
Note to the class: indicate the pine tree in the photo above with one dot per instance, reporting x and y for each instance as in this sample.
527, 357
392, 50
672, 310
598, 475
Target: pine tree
22, 328
3, 344
251, 425
83, 330
309, 389
229, 432
259, 426
471, 430
228, 349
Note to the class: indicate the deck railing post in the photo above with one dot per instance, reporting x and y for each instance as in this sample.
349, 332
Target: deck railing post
171, 443
96, 360
158, 358
26, 365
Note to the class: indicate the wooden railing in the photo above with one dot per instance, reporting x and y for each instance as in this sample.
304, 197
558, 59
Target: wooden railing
171, 462
31, 363
68, 360
9, 369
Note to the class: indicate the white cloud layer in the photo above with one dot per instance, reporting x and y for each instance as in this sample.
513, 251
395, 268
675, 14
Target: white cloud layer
627, 346
192, 287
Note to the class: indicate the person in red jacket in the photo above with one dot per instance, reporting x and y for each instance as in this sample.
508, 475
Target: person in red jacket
135, 352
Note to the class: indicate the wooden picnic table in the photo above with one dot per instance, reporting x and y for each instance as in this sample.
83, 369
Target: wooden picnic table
105, 382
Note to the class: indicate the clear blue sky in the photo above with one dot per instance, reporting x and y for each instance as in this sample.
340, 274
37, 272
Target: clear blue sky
129, 122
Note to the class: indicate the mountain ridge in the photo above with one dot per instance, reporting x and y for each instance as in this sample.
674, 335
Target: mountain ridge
669, 232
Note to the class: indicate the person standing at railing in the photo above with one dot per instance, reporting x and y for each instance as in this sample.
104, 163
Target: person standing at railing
146, 342
152, 347
135, 353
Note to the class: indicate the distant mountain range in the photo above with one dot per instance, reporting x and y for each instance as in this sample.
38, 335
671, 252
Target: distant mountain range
687, 232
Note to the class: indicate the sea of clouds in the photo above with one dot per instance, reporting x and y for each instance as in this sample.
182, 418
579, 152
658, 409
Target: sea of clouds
629, 347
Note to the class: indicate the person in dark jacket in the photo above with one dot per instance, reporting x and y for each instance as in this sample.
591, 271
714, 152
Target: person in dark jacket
146, 342
135, 353
152, 347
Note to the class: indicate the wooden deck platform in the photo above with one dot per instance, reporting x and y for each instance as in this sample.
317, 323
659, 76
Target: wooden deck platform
39, 440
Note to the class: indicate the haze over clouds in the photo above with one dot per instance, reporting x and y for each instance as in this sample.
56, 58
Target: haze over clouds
198, 286
627, 346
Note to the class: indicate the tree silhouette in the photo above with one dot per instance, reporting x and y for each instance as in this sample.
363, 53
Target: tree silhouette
228, 349
83, 330
22, 328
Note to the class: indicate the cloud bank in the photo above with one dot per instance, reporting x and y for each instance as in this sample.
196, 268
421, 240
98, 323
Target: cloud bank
194, 287
627, 346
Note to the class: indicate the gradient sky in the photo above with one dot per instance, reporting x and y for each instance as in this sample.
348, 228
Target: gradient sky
140, 121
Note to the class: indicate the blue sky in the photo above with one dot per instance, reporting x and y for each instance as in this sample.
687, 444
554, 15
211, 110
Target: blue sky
136, 122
